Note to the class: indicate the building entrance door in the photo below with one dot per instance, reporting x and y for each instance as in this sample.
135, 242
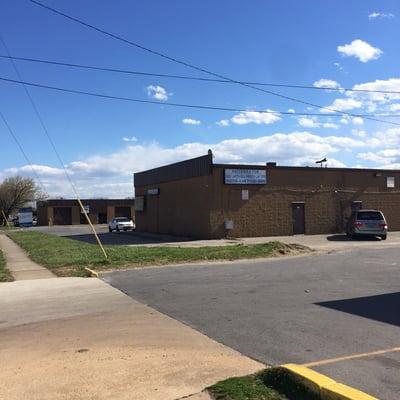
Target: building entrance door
298, 218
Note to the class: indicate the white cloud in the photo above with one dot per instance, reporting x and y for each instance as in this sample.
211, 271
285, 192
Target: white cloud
374, 97
253, 117
389, 138
41, 170
383, 157
388, 85
361, 50
333, 163
357, 121
190, 121
338, 66
157, 92
330, 125
110, 175
291, 110
343, 105
223, 122
381, 15
359, 133
326, 83
130, 139
308, 122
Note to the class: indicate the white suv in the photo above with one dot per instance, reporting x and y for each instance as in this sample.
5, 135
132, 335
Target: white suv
121, 224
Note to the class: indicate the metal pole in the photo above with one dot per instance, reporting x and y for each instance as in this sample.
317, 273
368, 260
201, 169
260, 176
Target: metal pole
91, 225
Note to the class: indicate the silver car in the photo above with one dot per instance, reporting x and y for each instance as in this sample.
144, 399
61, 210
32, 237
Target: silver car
367, 223
121, 224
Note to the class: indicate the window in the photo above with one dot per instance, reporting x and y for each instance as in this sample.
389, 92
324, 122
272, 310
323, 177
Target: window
390, 182
369, 216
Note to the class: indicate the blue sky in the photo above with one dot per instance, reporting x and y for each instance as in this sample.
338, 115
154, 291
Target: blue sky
347, 43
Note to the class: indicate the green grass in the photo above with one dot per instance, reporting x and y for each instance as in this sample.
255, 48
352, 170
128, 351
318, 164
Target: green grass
244, 388
67, 257
6, 228
5, 275
270, 384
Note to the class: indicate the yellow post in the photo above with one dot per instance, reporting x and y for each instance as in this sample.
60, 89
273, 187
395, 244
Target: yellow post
5, 218
94, 231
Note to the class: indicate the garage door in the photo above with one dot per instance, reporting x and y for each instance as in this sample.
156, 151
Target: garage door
123, 212
62, 215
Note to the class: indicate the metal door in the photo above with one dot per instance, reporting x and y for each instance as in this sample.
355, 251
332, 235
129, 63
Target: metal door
298, 218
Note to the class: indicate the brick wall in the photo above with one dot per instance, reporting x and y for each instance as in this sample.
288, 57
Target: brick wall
198, 207
327, 196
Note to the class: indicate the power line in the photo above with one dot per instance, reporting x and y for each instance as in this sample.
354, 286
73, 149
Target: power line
14, 136
40, 119
196, 106
55, 150
192, 66
189, 77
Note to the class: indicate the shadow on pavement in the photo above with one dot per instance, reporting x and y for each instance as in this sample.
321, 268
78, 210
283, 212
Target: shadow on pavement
344, 238
383, 307
121, 238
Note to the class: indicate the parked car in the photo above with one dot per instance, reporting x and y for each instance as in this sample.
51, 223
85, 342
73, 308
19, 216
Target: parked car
121, 224
367, 223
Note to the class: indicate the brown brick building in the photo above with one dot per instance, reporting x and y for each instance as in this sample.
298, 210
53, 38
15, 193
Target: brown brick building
68, 212
199, 199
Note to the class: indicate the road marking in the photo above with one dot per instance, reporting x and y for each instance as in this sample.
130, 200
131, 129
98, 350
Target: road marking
352, 357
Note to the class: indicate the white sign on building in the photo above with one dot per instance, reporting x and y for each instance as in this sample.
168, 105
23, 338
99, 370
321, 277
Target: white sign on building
239, 176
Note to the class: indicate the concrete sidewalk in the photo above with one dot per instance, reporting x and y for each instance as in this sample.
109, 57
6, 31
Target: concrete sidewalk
19, 264
76, 338
330, 242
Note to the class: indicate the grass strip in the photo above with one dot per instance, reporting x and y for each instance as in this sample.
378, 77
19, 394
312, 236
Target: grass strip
270, 384
5, 275
68, 257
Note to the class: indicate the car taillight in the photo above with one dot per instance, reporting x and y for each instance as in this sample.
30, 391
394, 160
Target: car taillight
383, 225
358, 224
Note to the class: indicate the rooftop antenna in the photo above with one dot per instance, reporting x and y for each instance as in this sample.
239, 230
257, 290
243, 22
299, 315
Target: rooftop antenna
322, 162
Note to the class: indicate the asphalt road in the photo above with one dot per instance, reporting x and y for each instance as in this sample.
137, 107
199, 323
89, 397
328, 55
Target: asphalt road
299, 310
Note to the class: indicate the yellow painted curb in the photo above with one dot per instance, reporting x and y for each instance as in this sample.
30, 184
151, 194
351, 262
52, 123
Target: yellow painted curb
92, 273
338, 391
327, 388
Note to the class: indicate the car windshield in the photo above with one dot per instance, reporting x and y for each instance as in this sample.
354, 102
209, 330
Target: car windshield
122, 219
369, 215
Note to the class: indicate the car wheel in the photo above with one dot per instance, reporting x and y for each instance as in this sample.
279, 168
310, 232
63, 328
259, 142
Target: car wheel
383, 237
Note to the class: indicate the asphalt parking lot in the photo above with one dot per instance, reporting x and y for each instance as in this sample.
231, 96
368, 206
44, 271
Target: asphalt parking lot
326, 243
84, 233
332, 310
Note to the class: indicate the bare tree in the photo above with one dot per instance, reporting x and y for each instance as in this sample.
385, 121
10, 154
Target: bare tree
15, 192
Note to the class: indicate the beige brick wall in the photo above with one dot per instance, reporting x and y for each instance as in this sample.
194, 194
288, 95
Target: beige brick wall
198, 207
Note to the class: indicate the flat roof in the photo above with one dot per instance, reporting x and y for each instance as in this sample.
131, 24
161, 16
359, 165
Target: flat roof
304, 168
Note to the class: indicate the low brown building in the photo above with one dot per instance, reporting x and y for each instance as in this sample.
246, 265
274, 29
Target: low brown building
200, 199
68, 212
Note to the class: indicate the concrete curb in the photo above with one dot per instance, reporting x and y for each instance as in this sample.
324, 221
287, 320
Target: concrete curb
327, 388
